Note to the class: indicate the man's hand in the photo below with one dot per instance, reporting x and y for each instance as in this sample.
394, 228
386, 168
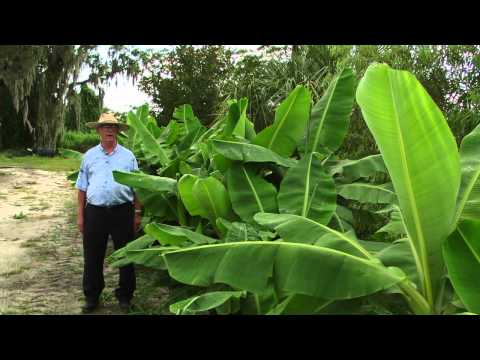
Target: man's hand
137, 221
80, 223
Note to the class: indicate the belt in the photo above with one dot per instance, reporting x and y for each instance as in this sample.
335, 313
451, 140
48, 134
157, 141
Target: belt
110, 207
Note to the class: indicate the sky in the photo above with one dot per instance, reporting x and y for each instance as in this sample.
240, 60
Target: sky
121, 95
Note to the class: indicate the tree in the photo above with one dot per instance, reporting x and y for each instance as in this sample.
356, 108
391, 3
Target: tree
18, 69
42, 81
187, 75
266, 78
86, 106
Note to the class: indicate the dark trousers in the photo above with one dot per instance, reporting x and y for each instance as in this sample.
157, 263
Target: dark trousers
99, 222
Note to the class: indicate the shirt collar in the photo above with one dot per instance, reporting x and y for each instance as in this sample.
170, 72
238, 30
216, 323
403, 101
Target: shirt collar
100, 147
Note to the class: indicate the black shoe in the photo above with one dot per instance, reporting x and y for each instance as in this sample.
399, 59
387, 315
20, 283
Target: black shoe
89, 307
124, 306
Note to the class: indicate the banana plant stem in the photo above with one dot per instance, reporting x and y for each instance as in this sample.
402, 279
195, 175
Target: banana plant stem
417, 302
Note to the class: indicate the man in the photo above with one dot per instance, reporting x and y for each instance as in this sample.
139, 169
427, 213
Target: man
105, 208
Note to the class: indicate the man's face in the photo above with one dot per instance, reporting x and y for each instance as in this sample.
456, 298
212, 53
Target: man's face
108, 132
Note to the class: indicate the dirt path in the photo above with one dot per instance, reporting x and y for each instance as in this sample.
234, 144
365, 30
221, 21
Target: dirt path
41, 259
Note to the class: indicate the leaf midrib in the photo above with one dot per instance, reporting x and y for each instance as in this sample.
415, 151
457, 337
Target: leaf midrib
210, 199
341, 236
324, 115
366, 262
255, 195
423, 268
148, 136
280, 124
466, 196
307, 186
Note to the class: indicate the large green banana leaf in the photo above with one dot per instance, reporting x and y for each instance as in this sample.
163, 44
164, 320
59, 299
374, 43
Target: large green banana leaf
176, 235
172, 132
368, 193
144, 258
185, 114
399, 254
213, 198
71, 154
293, 267
343, 218
462, 256
289, 125
152, 149
191, 138
144, 181
142, 242
128, 254
352, 170
249, 153
141, 114
240, 231
298, 304
468, 203
249, 192
237, 122
422, 159
307, 190
73, 176
231, 119
185, 189
204, 302
395, 226
330, 117
156, 203
298, 229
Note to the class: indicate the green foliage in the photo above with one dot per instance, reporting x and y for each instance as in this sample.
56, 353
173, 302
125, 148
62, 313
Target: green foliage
13, 134
426, 182
187, 75
19, 216
230, 215
88, 109
79, 141
462, 256
57, 163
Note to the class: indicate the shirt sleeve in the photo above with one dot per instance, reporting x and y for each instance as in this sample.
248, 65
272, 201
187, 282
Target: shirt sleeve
82, 179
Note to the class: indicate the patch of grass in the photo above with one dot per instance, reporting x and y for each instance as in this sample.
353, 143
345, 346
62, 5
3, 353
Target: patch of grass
70, 207
29, 244
79, 141
19, 216
56, 163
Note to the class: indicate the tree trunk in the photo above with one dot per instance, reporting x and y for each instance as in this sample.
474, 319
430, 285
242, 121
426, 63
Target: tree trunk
50, 96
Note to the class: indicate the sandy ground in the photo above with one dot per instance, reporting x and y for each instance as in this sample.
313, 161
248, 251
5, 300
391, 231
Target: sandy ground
41, 261
39, 196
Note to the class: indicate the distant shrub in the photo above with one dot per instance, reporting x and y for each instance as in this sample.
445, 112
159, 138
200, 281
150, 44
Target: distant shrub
79, 141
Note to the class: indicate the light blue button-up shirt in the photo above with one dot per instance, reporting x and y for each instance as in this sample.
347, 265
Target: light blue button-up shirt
96, 178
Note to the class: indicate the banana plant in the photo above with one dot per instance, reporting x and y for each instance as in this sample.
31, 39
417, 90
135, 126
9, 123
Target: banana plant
462, 248
307, 189
422, 159
275, 246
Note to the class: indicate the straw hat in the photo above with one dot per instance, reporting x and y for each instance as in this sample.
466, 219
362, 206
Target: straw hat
107, 118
